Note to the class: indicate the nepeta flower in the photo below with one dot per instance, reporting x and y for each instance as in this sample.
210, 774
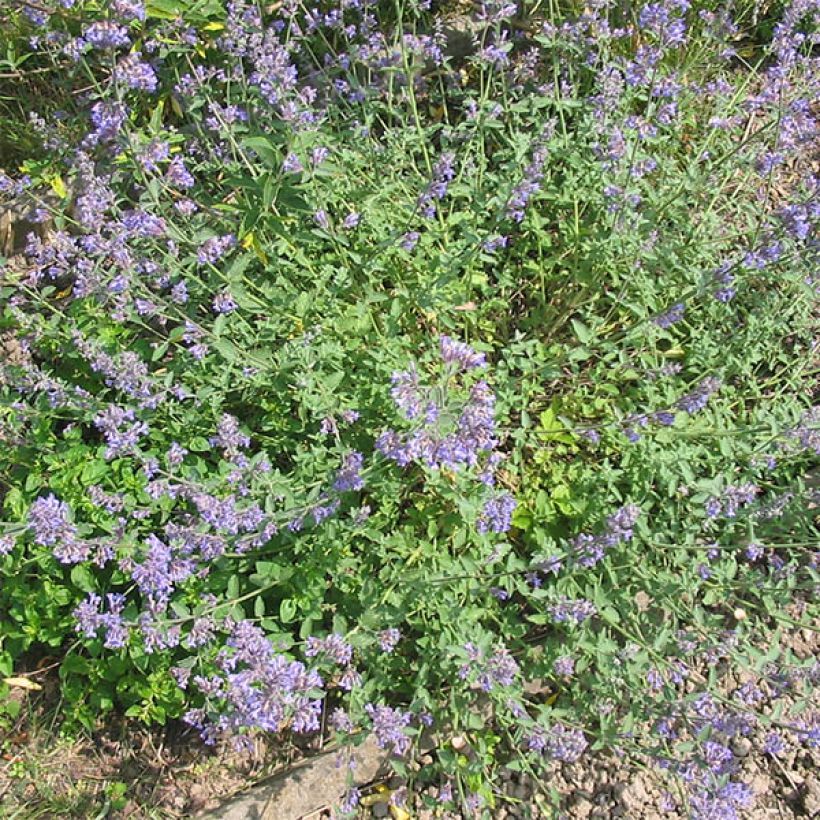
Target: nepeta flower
588, 550
179, 293
202, 633
224, 303
696, 400
229, 437
176, 454
774, 744
178, 175
388, 638
136, 74
406, 392
333, 646
731, 500
292, 165
213, 249
258, 689
349, 477
106, 35
129, 9
499, 669
410, 240
493, 243
443, 173
350, 679
340, 720
318, 155
496, 515
533, 176
155, 152
120, 429
49, 520
350, 801
461, 355
671, 316
91, 620
574, 611
558, 742
108, 119
388, 726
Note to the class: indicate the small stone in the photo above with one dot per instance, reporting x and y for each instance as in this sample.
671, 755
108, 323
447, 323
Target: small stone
582, 808
520, 792
761, 784
380, 810
811, 799
601, 776
741, 747
458, 743
633, 795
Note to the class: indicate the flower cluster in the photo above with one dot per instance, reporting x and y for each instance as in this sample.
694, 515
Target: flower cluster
588, 550
257, 689
488, 671
389, 726
557, 743
246, 217
453, 432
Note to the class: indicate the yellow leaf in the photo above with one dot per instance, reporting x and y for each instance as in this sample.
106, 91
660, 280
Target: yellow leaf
22, 683
398, 813
370, 800
58, 186
247, 240
257, 249
62, 294
214, 27
381, 794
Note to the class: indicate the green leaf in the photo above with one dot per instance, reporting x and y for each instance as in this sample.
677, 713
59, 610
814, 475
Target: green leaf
265, 149
165, 9
198, 444
94, 471
233, 586
581, 331
610, 615
82, 578
287, 610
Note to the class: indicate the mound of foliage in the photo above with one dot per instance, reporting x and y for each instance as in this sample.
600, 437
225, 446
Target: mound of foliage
360, 380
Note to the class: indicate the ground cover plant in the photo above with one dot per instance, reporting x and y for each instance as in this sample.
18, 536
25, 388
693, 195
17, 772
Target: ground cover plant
366, 374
